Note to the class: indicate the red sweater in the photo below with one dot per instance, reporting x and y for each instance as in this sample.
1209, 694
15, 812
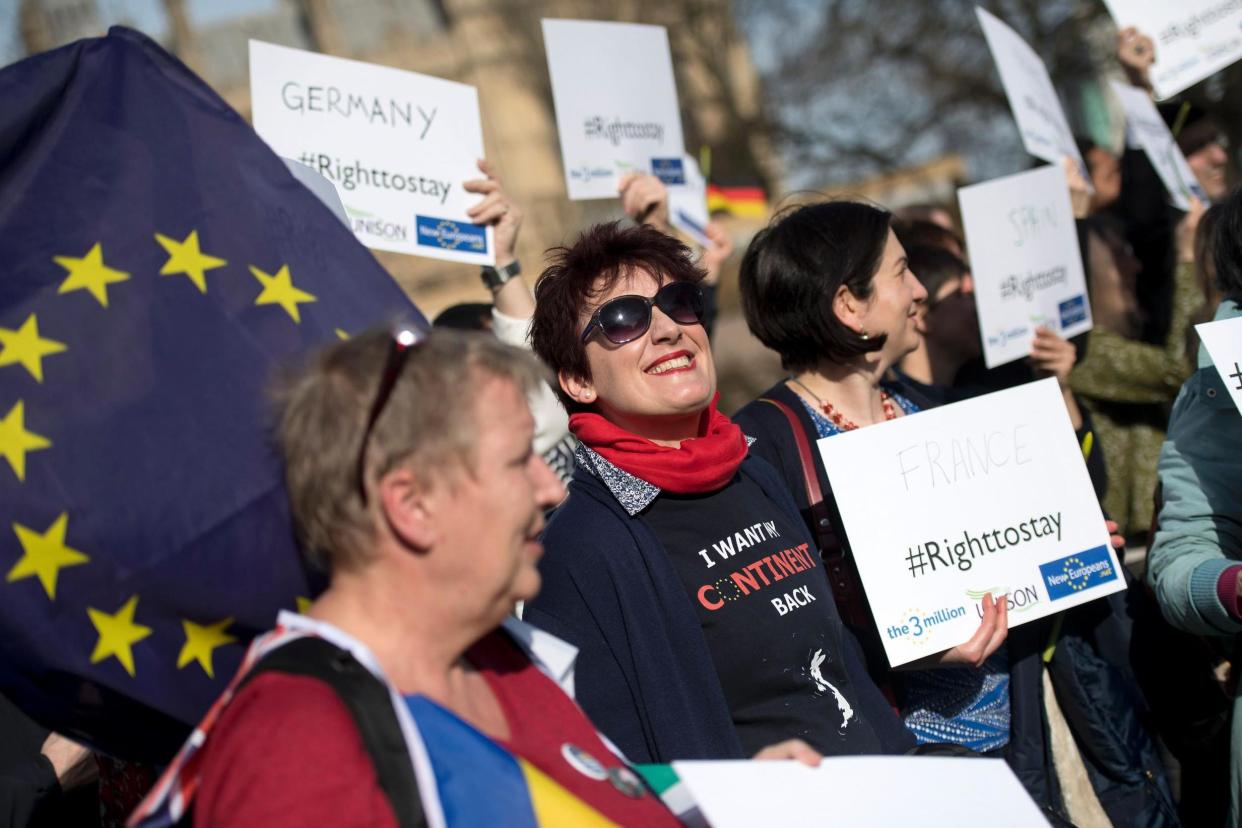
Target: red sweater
286, 752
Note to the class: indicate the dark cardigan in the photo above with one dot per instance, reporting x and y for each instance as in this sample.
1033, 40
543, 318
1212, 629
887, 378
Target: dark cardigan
644, 674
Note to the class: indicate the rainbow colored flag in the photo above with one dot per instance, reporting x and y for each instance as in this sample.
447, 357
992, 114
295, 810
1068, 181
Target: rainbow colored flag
518, 794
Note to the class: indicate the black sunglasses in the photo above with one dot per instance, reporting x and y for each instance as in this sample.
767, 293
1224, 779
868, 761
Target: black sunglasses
405, 338
626, 318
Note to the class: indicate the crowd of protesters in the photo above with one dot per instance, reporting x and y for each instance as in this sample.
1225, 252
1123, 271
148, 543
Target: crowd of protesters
517, 524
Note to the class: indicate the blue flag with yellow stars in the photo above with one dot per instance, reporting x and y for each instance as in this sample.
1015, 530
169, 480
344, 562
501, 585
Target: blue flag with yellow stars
158, 266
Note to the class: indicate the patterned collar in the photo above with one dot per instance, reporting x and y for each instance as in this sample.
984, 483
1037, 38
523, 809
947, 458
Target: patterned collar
633, 493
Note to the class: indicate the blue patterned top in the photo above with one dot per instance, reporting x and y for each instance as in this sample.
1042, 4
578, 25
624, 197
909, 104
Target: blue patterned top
957, 705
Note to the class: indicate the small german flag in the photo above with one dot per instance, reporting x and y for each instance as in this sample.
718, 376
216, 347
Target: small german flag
743, 202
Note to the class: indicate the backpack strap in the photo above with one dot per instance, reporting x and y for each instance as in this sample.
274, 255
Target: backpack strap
368, 702
841, 575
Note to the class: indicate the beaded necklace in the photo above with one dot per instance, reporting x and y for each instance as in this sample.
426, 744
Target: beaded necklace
837, 418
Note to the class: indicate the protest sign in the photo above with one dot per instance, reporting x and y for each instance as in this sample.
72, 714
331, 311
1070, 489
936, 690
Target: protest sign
1223, 340
687, 202
1194, 38
1025, 261
321, 187
1045, 132
397, 146
859, 791
616, 103
987, 495
1148, 130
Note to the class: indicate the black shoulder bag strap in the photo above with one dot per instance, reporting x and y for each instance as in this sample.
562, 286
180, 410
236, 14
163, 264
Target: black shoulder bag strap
368, 702
844, 583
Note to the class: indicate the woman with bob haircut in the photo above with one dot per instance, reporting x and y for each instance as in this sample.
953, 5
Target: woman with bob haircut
678, 564
827, 287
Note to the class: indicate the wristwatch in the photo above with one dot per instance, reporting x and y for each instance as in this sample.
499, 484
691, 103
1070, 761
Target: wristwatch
494, 277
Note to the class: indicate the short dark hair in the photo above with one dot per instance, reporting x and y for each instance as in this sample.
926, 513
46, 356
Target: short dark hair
921, 233
933, 266
1227, 247
920, 211
792, 270
465, 316
579, 273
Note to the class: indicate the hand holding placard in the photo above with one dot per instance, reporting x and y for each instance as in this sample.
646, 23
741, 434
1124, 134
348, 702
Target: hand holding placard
1193, 38
496, 211
644, 198
616, 102
1025, 261
396, 145
989, 495
1149, 131
1136, 52
647, 199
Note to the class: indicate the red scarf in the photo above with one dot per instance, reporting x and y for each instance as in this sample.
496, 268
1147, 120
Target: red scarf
701, 464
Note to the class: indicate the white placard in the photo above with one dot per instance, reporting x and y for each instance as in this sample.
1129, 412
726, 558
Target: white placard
616, 102
1223, 340
860, 792
1151, 134
397, 146
1045, 131
1025, 261
687, 201
323, 189
1194, 38
986, 495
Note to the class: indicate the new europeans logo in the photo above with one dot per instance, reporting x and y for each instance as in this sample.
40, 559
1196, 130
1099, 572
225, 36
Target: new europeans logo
447, 234
669, 170
1071, 575
1073, 310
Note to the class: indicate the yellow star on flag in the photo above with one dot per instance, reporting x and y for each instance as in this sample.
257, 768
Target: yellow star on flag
15, 440
25, 347
201, 640
279, 290
341, 335
117, 634
303, 603
90, 273
45, 554
185, 257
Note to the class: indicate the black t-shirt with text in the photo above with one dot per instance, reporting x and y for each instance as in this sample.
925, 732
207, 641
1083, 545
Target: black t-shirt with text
767, 613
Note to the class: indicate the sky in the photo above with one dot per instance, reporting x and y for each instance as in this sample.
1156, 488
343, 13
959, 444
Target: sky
146, 15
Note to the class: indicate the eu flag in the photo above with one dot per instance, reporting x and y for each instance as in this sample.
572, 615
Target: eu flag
158, 264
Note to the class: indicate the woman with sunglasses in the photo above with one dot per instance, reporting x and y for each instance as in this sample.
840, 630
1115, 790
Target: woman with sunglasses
678, 565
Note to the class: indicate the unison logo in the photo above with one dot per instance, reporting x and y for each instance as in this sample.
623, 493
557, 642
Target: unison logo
451, 235
1072, 574
1017, 600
